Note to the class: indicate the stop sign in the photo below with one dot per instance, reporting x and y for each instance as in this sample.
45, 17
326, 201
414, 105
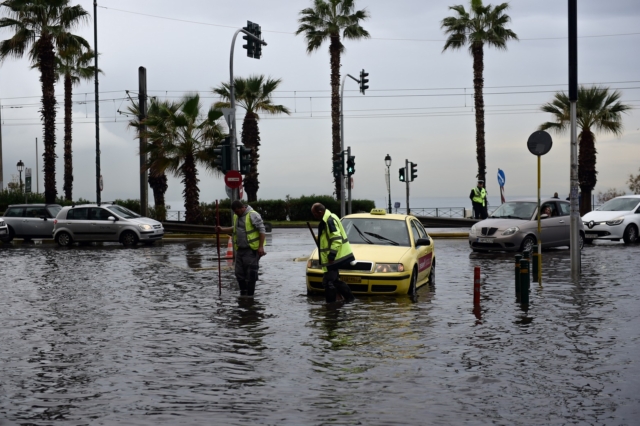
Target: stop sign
233, 179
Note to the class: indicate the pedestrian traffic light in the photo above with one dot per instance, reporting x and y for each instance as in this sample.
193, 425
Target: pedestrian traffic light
245, 160
223, 155
351, 165
338, 167
414, 171
363, 81
251, 44
401, 171
257, 51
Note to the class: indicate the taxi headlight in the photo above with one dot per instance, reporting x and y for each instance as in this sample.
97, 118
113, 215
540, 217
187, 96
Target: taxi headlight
616, 221
511, 231
473, 230
313, 264
389, 267
145, 227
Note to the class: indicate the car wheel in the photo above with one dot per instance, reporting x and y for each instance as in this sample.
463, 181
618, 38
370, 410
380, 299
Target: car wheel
630, 234
581, 241
414, 280
528, 243
64, 239
129, 238
588, 240
432, 273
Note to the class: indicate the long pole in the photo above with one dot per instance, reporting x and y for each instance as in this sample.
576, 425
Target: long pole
218, 245
232, 103
95, 59
406, 181
142, 107
342, 206
37, 180
573, 98
539, 260
348, 181
1, 171
389, 187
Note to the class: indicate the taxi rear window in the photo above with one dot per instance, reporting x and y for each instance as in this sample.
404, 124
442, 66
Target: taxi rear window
376, 231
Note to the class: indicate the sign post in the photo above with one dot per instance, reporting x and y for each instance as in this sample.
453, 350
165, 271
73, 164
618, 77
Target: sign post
27, 183
501, 181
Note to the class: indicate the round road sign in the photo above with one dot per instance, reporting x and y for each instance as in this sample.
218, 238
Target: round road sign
539, 142
233, 179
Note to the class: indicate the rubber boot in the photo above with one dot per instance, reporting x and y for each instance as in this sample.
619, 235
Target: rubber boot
344, 290
251, 288
330, 295
243, 287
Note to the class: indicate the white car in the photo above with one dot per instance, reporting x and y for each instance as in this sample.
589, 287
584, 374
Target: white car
4, 231
618, 218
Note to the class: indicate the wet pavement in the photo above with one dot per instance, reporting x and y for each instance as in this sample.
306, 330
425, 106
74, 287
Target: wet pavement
107, 335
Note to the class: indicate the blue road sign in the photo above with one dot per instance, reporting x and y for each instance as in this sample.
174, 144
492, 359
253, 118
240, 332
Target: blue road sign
501, 178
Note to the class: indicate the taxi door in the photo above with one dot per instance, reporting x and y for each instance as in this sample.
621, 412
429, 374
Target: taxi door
424, 254
101, 229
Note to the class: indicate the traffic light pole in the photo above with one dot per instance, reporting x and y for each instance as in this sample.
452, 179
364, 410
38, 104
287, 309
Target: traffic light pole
232, 103
406, 181
342, 176
349, 182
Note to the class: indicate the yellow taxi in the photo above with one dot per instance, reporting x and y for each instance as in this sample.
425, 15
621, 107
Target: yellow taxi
394, 255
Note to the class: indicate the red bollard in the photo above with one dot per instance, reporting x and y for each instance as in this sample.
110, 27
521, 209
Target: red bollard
476, 285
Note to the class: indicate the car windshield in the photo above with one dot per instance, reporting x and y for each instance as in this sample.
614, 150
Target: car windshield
619, 205
122, 212
515, 210
376, 231
54, 210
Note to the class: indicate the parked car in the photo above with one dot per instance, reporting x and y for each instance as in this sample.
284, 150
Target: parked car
394, 255
514, 226
105, 222
4, 230
30, 221
618, 218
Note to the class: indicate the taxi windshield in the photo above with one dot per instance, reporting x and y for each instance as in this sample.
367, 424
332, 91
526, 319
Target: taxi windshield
123, 212
376, 231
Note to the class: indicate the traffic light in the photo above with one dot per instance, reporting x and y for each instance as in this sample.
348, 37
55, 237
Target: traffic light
245, 160
414, 171
363, 81
351, 165
338, 167
223, 155
251, 44
257, 51
402, 179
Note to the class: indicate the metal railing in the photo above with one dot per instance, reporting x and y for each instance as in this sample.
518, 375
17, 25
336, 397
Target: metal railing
177, 215
459, 212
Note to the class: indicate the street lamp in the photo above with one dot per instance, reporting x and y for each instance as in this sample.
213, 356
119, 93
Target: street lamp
20, 166
387, 162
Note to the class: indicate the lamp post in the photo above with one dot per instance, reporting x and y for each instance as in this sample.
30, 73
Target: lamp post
387, 162
20, 166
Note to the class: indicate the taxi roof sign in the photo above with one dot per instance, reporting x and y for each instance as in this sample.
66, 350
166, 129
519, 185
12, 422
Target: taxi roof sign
378, 211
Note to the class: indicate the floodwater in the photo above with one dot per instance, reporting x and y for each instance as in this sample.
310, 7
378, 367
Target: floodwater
107, 335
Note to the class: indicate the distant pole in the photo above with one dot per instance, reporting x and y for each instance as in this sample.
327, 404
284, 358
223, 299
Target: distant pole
95, 58
235, 194
573, 99
37, 180
406, 181
142, 107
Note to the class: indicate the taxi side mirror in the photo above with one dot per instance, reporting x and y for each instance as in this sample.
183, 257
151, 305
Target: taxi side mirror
112, 218
423, 242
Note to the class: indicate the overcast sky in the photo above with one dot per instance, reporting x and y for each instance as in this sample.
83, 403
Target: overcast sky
418, 107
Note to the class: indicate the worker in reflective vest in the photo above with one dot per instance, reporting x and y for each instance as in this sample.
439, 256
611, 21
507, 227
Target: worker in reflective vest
249, 235
334, 252
479, 201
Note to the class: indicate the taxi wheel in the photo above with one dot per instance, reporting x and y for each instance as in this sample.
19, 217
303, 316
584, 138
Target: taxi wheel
414, 280
432, 273
630, 234
64, 239
128, 238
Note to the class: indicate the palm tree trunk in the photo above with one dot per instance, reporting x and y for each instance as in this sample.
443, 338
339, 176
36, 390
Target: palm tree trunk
68, 160
478, 85
191, 191
587, 174
251, 139
46, 62
334, 51
159, 187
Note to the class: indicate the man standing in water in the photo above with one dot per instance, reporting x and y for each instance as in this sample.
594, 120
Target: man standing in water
334, 252
248, 241
479, 201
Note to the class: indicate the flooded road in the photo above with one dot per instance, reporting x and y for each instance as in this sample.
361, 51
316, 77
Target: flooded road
108, 335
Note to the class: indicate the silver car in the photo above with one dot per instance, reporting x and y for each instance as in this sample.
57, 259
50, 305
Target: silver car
29, 221
514, 226
105, 222
4, 231
618, 218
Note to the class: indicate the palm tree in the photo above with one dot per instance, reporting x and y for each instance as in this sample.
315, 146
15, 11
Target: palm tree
481, 25
325, 21
254, 95
185, 138
158, 180
44, 25
73, 65
596, 109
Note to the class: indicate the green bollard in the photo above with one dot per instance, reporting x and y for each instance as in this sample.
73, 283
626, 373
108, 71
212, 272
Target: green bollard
524, 282
534, 263
518, 258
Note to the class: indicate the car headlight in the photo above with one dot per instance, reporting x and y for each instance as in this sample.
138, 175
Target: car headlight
389, 267
1, 222
511, 231
313, 264
473, 230
145, 227
616, 221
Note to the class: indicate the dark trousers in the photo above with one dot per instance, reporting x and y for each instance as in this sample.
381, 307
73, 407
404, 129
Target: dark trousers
479, 211
332, 286
246, 269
